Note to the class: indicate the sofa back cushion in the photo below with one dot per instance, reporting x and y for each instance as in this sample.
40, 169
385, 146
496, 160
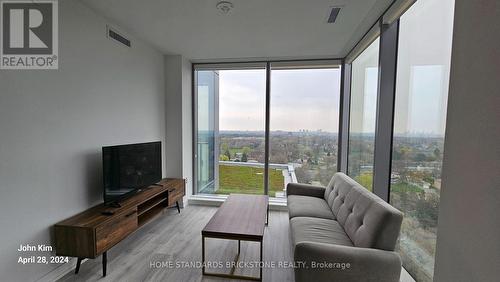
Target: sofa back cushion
329, 187
369, 221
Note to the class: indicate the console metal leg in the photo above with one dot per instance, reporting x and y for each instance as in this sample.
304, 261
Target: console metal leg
78, 262
177, 205
104, 263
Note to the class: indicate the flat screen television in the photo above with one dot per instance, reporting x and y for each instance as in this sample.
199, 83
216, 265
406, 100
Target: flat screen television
128, 168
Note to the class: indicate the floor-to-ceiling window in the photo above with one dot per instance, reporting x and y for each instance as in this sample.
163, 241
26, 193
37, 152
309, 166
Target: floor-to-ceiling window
363, 106
423, 67
230, 126
304, 122
230, 154
242, 100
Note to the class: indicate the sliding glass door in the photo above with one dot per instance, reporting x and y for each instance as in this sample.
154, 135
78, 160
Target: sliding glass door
230, 126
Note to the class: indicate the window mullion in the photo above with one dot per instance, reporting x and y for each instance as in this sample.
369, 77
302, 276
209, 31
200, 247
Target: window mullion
385, 109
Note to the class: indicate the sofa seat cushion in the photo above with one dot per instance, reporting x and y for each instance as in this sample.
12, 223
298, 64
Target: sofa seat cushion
306, 206
318, 230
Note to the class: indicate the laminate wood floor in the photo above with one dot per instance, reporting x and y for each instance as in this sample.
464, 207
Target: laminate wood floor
169, 249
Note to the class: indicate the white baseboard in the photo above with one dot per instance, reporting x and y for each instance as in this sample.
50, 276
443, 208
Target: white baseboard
60, 271
275, 205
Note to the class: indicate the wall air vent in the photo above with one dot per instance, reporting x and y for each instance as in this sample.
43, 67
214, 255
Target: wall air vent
333, 14
117, 37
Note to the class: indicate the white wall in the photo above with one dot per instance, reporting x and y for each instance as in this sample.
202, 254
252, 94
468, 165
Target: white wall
173, 90
178, 78
53, 124
468, 245
187, 126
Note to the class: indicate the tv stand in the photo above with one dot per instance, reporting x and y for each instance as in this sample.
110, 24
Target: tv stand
91, 233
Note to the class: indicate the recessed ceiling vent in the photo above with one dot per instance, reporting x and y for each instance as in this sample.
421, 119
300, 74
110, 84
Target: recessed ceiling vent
334, 12
117, 37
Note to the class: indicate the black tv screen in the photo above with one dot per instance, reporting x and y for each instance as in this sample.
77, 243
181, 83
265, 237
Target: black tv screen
127, 168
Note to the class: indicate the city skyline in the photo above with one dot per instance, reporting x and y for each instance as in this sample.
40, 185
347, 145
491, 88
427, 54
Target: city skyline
318, 109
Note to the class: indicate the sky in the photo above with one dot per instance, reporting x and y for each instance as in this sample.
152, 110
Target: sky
300, 99
309, 100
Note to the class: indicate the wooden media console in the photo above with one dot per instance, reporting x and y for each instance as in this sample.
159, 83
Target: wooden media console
94, 231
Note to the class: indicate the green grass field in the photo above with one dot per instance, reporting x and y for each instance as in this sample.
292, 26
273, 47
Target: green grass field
405, 187
248, 180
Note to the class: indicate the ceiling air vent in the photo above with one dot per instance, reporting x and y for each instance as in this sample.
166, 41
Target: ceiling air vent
333, 14
117, 37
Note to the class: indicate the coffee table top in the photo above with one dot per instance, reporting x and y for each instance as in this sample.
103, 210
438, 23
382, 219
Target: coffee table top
239, 217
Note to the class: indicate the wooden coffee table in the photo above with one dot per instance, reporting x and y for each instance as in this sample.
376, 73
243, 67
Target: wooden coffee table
241, 217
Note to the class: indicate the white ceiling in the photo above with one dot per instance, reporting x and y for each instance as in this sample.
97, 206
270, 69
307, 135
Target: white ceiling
254, 28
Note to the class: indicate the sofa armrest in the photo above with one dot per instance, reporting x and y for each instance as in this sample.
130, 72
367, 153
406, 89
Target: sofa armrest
305, 190
344, 263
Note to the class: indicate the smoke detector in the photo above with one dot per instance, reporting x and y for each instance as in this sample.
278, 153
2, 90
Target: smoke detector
224, 7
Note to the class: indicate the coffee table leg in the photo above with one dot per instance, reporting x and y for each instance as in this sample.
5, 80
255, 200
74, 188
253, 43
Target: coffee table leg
236, 259
202, 254
267, 215
261, 260
231, 273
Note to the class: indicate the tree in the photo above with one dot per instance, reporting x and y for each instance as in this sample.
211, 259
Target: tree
427, 207
396, 155
316, 152
302, 175
405, 154
324, 176
223, 158
420, 157
228, 154
246, 150
404, 198
437, 153
429, 179
365, 179
224, 147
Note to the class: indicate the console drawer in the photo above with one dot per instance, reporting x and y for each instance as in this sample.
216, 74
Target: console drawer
112, 232
175, 194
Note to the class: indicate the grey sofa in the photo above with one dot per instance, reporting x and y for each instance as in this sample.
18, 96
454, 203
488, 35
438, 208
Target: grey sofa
343, 232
